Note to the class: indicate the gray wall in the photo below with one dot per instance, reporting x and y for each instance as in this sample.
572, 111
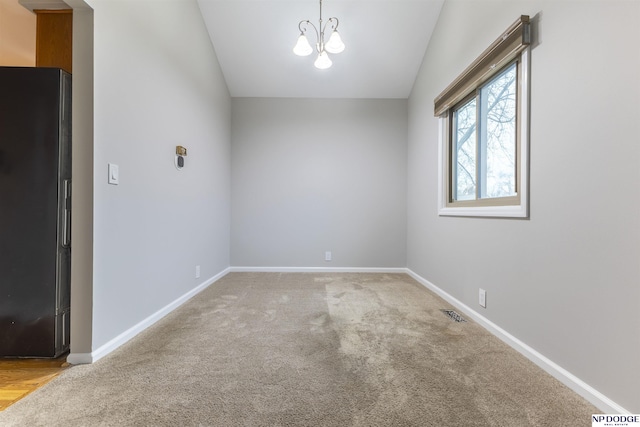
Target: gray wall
151, 94
310, 176
567, 281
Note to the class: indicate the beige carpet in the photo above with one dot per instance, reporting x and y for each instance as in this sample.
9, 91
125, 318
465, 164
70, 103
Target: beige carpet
271, 349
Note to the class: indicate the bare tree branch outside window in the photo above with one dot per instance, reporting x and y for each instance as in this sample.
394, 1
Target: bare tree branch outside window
484, 149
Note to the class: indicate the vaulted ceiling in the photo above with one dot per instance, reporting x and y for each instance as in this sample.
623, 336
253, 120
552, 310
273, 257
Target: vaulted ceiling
385, 44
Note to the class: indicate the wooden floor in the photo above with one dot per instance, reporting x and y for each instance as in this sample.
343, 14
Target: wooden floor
19, 377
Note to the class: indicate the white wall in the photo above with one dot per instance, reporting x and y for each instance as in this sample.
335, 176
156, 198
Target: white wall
567, 281
157, 84
310, 176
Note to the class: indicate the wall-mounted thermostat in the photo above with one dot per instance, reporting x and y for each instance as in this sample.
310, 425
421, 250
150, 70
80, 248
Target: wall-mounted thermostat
181, 153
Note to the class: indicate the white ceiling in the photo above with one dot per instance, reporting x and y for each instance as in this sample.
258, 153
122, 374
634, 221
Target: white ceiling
385, 43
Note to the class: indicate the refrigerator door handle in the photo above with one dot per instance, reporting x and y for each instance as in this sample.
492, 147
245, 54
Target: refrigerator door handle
66, 230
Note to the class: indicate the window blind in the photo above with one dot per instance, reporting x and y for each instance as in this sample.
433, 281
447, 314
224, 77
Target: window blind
512, 42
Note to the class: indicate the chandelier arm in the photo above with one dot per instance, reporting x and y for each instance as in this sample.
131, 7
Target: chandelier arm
331, 21
303, 29
333, 27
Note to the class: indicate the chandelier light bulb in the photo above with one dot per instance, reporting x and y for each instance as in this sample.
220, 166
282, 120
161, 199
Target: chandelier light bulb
302, 47
323, 61
335, 44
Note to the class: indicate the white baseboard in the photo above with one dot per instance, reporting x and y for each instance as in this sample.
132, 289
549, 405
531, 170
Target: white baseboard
79, 358
598, 399
316, 270
99, 353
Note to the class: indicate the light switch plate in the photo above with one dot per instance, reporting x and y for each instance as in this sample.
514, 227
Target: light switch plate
114, 174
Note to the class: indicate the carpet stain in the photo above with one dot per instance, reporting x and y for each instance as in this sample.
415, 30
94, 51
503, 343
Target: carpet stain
284, 299
320, 319
269, 315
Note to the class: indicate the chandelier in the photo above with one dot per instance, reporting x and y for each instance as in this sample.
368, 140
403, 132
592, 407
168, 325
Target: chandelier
333, 45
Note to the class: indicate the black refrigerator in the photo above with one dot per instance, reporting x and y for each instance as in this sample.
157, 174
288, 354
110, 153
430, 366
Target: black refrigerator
35, 211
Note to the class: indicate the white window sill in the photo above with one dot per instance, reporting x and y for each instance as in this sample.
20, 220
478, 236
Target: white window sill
519, 211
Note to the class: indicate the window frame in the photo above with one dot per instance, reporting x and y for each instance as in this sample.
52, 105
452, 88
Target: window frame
512, 206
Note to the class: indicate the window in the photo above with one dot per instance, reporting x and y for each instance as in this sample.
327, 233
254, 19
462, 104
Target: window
483, 142
484, 132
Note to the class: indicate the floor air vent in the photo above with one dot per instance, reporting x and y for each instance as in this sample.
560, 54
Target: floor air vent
453, 315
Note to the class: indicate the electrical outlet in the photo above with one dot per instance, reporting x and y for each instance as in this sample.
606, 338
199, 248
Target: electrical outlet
197, 271
327, 256
483, 298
